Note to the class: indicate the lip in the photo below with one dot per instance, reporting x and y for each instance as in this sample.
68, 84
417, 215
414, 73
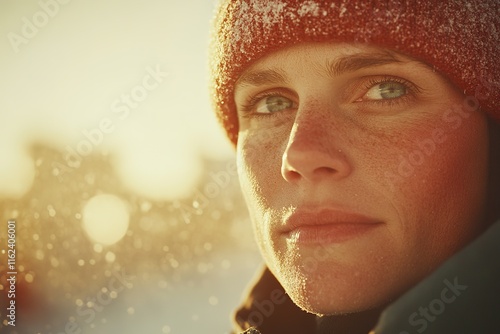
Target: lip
326, 226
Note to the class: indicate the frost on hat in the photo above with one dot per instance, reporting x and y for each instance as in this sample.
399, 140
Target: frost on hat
460, 38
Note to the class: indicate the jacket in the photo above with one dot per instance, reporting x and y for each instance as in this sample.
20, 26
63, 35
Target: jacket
461, 296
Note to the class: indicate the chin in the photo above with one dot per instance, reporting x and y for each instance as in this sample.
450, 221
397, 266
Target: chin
334, 295
329, 304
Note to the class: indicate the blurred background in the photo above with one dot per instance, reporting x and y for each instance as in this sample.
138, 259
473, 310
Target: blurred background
128, 212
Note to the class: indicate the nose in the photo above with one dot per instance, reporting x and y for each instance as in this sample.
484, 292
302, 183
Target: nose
314, 152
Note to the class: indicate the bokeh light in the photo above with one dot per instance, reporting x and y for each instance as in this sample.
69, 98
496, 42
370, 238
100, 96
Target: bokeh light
105, 219
111, 162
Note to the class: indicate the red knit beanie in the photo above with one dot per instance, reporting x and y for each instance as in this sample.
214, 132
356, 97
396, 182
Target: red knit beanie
460, 38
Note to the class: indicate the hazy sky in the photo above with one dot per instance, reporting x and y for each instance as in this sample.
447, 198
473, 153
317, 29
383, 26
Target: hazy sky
124, 77
124, 82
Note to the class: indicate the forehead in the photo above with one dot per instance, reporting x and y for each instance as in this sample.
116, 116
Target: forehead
333, 59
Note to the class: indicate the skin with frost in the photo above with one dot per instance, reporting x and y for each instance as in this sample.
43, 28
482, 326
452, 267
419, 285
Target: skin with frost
311, 136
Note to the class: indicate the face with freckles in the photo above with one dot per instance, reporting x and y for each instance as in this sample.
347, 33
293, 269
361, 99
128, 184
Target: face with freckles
362, 169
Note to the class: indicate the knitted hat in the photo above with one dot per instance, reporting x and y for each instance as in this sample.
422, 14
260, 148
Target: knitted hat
460, 38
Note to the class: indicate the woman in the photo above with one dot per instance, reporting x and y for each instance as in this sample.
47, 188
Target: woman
367, 139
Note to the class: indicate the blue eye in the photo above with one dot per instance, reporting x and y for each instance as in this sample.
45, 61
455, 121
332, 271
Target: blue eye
273, 104
386, 90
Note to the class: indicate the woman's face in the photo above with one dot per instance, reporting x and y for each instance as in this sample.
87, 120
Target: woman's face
363, 170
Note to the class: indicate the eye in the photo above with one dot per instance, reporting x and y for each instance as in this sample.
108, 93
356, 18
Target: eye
272, 104
386, 90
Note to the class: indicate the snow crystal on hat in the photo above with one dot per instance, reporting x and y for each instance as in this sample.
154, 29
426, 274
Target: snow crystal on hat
460, 38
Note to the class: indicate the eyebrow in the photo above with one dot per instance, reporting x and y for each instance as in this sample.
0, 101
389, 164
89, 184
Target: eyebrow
332, 68
359, 61
259, 78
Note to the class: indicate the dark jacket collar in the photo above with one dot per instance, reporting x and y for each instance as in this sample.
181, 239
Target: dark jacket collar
461, 296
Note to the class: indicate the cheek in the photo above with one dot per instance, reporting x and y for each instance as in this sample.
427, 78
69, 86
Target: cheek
257, 175
259, 155
436, 182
